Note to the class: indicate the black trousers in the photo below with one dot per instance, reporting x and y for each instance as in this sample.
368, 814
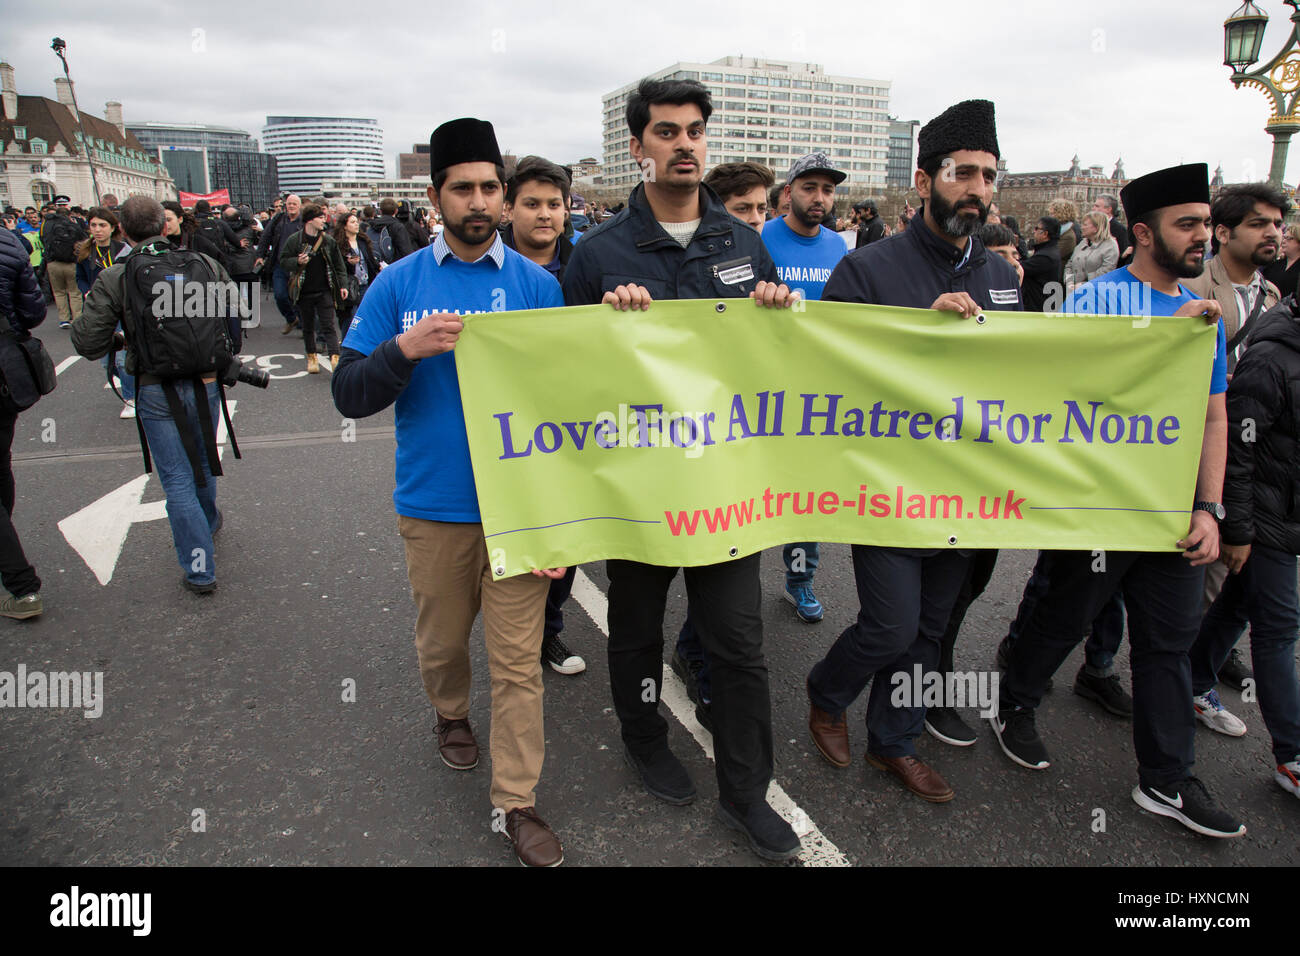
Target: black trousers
316, 311
1162, 593
18, 576
726, 604
977, 579
555, 598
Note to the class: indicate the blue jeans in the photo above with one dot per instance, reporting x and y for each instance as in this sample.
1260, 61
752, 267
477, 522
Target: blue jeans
280, 285
191, 511
1263, 595
128, 381
812, 555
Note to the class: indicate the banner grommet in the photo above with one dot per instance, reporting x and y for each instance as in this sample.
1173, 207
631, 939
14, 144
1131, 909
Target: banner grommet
721, 307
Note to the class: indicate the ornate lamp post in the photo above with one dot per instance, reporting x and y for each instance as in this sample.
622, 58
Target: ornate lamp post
58, 46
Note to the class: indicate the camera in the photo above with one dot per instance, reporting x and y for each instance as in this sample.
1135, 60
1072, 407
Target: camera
237, 371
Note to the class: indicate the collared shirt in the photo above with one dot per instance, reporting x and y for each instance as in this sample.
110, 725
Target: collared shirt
496, 252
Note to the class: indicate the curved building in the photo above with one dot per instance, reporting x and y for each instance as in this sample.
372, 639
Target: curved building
315, 149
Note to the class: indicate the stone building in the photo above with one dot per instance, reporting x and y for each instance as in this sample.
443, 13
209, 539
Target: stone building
42, 153
1026, 195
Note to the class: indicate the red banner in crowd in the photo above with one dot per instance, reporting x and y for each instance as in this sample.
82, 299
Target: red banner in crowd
219, 197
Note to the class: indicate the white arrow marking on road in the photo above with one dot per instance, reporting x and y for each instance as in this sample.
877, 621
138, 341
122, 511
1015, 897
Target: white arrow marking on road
817, 849
98, 531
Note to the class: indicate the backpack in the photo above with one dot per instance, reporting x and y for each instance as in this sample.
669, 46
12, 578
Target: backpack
382, 243
60, 239
174, 334
210, 229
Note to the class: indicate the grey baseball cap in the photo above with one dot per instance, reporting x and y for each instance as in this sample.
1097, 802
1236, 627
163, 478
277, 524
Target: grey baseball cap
815, 163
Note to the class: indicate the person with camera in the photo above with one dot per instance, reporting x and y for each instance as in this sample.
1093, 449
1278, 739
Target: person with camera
242, 264
176, 413
362, 263
317, 277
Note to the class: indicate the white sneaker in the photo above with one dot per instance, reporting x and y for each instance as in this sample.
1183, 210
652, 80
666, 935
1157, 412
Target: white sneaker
1287, 776
1211, 712
128, 410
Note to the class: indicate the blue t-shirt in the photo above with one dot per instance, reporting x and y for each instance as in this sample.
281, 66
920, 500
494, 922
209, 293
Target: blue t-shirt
434, 478
1121, 293
803, 262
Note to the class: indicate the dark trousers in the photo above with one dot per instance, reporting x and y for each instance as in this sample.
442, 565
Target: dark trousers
1162, 596
1264, 596
316, 312
555, 598
18, 576
691, 650
906, 598
280, 287
726, 601
977, 579
1107, 628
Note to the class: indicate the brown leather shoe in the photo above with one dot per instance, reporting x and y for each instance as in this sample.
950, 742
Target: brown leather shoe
534, 843
915, 775
831, 735
456, 744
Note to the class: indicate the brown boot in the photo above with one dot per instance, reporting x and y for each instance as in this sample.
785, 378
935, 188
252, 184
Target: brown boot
831, 735
312, 365
456, 744
534, 843
915, 776
334, 361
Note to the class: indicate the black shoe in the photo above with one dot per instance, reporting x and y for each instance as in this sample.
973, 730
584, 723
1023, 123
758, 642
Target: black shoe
689, 672
704, 714
1188, 802
769, 835
1004, 649
945, 724
663, 776
1019, 738
193, 588
1234, 672
1106, 691
558, 655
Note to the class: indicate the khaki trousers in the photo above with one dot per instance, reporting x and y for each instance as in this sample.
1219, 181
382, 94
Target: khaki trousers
450, 579
63, 283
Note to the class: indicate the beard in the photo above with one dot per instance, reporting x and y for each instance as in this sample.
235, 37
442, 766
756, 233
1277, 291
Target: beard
472, 230
954, 223
807, 216
1263, 256
1178, 265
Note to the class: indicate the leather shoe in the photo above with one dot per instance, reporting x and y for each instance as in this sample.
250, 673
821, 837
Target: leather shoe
831, 735
456, 744
915, 775
534, 843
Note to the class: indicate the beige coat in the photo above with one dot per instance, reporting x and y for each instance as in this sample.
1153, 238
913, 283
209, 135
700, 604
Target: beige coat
1091, 260
1214, 284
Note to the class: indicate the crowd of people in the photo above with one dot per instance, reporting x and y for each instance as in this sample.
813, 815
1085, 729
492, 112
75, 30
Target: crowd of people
380, 291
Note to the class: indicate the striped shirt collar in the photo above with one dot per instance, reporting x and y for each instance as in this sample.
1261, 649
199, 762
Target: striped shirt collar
496, 252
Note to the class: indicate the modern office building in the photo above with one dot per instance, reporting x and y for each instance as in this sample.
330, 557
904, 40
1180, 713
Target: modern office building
203, 158
44, 154
363, 192
415, 164
901, 165
771, 112
316, 149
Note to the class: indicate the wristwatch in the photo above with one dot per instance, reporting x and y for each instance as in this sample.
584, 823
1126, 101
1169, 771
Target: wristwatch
1213, 507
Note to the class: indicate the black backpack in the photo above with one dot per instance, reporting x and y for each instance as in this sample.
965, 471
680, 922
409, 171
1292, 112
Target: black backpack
60, 238
210, 229
382, 244
175, 335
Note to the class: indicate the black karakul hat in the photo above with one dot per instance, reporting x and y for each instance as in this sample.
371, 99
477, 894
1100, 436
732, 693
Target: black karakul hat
966, 125
463, 140
1166, 187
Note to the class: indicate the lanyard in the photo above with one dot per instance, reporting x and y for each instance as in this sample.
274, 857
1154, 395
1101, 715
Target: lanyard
99, 257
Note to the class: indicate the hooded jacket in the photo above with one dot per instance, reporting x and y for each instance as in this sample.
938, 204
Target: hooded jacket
1261, 490
397, 232
21, 302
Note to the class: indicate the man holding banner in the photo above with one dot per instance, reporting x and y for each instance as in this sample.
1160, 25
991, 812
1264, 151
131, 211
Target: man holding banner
906, 594
1169, 213
676, 240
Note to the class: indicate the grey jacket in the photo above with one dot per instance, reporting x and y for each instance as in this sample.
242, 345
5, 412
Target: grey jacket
1091, 259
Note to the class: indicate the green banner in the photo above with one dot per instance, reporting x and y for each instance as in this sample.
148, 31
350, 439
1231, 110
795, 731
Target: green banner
701, 430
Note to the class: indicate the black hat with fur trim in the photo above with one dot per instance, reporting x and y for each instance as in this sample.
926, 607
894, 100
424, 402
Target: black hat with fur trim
966, 125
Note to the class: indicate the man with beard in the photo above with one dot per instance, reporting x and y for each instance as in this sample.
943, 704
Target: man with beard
399, 349
870, 226
675, 240
907, 594
1169, 212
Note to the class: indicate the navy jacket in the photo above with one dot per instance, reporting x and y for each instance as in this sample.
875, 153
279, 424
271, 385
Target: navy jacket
21, 302
914, 268
725, 259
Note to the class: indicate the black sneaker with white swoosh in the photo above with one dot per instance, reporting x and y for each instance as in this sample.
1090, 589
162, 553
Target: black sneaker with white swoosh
1188, 802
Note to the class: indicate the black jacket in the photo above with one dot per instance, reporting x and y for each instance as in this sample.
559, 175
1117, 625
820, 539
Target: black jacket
21, 303
403, 245
914, 268
279, 229
1042, 270
565, 247
633, 248
1261, 491
869, 232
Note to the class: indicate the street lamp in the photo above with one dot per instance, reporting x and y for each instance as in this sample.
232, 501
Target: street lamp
58, 46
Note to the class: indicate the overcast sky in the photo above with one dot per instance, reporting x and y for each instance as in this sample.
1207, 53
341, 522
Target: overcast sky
1104, 79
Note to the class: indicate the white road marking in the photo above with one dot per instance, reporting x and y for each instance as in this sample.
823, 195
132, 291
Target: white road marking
66, 364
817, 849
